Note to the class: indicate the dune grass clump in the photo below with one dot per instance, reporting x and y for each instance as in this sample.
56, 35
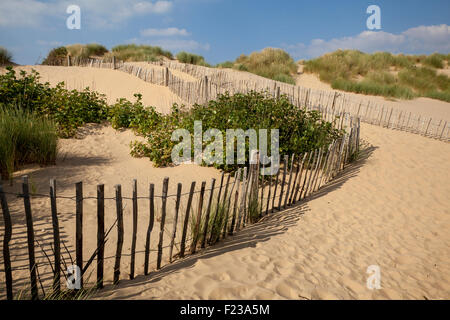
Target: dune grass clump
56, 57
271, 63
133, 52
86, 50
25, 138
383, 74
5, 56
191, 58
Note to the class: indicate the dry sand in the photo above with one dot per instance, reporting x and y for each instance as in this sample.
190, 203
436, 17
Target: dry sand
391, 209
113, 84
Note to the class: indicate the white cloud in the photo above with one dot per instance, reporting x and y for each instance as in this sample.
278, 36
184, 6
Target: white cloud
422, 39
99, 13
168, 32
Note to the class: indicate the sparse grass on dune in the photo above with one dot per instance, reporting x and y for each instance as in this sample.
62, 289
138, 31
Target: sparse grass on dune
191, 58
133, 52
372, 74
270, 63
5, 56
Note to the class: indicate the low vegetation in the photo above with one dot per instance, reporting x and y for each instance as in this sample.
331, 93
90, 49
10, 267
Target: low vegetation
5, 57
300, 130
270, 63
191, 58
383, 74
133, 52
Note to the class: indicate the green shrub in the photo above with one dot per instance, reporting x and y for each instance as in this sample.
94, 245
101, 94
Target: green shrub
225, 65
25, 138
300, 130
5, 56
56, 57
191, 58
69, 109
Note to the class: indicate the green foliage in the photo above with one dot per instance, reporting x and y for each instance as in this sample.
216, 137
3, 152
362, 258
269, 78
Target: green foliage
270, 63
25, 138
133, 52
355, 71
69, 109
299, 130
5, 56
56, 57
191, 58
225, 65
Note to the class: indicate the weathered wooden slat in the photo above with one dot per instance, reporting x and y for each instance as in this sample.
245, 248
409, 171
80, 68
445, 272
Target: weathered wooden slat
100, 234
119, 211
286, 163
289, 183
135, 226
163, 221
235, 204
198, 222
175, 220
186, 220
56, 239
242, 206
151, 222
208, 213
79, 227
275, 190
6, 240
30, 238
214, 220
299, 184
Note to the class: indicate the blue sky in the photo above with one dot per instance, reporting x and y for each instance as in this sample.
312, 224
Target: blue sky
223, 29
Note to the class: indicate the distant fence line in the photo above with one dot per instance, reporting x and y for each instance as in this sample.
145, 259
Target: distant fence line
211, 82
222, 209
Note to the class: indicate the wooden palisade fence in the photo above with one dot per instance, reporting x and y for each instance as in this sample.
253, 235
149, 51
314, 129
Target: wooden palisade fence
223, 208
210, 82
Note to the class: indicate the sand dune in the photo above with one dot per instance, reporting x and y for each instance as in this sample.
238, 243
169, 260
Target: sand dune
391, 210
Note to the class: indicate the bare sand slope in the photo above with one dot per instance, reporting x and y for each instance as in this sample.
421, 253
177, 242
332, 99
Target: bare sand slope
425, 107
391, 210
114, 84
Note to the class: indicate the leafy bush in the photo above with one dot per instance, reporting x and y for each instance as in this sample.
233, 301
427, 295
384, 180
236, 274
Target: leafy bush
5, 56
25, 138
191, 58
69, 109
56, 57
299, 130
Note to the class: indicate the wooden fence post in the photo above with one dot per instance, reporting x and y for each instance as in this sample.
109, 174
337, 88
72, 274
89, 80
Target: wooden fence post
236, 199
175, 222
163, 221
30, 238
208, 212
218, 204
6, 239
286, 163
134, 235
79, 227
119, 210
186, 220
100, 234
150, 226
289, 183
56, 238
198, 222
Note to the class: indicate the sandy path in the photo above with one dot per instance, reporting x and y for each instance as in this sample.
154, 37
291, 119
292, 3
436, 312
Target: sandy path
114, 84
391, 210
